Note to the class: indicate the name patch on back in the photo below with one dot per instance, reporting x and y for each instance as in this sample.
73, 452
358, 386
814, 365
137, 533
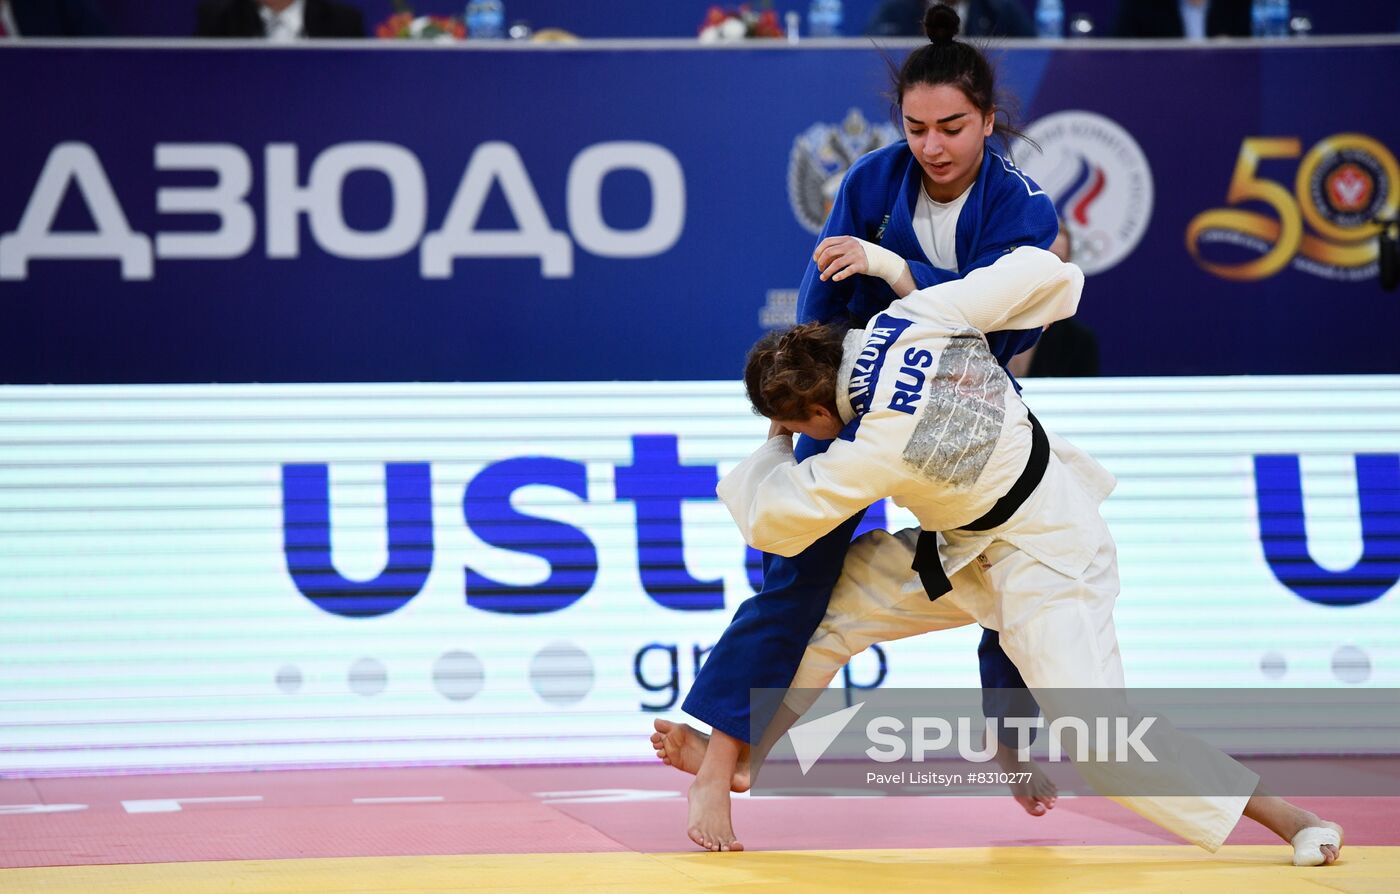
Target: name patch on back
880, 334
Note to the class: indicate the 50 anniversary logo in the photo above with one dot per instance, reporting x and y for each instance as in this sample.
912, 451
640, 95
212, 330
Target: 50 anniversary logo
1325, 226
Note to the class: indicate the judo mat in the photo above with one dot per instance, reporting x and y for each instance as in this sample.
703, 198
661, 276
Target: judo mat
619, 828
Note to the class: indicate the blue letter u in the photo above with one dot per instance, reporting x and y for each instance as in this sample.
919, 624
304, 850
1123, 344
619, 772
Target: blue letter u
1279, 491
306, 538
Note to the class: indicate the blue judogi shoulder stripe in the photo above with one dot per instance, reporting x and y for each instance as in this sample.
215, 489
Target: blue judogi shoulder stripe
882, 332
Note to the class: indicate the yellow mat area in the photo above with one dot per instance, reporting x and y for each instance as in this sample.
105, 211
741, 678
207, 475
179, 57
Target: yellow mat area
1014, 870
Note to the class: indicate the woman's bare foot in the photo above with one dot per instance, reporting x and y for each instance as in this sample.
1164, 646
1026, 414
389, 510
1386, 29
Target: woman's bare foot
1031, 788
682, 746
1287, 821
1313, 845
709, 823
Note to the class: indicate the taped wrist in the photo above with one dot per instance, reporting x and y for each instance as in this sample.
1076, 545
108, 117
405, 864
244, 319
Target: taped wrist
882, 262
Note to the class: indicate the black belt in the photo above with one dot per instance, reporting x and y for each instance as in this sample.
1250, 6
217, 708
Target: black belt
926, 559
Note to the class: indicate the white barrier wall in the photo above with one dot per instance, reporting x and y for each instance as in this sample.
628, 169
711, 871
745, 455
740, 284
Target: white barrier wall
149, 616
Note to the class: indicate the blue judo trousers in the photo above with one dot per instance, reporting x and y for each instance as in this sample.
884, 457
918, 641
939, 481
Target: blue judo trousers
764, 643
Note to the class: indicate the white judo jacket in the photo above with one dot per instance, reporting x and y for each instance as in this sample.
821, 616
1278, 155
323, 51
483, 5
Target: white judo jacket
934, 423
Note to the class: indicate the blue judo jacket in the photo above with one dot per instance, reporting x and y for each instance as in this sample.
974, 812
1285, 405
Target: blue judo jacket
876, 201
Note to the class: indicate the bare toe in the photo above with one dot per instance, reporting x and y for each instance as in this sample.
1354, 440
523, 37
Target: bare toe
709, 822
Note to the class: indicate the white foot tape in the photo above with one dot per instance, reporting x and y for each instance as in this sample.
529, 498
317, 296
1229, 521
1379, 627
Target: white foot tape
1307, 845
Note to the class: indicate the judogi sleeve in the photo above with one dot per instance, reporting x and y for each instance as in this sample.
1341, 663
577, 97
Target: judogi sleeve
1026, 288
858, 209
782, 506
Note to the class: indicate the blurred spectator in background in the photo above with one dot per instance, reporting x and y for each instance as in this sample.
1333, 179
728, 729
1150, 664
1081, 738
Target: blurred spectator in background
51, 18
1195, 19
980, 18
279, 20
1066, 348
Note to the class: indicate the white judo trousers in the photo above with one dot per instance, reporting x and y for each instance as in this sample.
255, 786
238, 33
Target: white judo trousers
1057, 629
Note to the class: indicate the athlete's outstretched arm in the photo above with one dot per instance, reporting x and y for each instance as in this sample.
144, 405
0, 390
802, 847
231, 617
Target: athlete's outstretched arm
1025, 288
782, 506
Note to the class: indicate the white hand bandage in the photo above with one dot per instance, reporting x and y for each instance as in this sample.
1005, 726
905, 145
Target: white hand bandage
882, 262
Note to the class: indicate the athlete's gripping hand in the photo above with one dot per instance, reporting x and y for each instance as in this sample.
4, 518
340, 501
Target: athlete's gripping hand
839, 257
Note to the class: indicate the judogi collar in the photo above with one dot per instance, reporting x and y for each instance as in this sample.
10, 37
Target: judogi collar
850, 349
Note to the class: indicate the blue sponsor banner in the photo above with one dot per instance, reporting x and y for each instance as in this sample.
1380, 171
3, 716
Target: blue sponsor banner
246, 214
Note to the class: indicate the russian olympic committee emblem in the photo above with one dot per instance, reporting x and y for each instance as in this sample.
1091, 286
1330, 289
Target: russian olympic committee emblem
820, 157
1099, 179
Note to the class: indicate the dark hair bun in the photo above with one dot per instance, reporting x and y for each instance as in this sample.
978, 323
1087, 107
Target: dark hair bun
941, 23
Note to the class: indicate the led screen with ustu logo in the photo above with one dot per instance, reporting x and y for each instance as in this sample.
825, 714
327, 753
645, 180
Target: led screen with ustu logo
291, 575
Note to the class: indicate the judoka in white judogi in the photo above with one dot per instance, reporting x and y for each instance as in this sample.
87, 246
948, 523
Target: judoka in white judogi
934, 423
